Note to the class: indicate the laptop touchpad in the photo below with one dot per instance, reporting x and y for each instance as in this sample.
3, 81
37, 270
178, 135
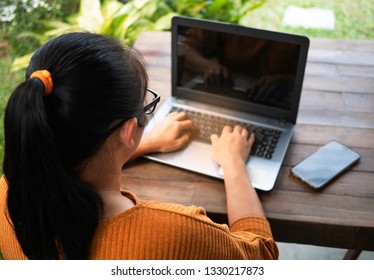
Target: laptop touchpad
196, 156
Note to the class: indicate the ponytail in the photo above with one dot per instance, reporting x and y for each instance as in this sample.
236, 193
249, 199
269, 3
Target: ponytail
54, 213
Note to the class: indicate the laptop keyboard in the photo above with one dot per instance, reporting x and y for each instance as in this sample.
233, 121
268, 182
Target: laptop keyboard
266, 139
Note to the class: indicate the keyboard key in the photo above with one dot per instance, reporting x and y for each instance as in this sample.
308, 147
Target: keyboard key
266, 139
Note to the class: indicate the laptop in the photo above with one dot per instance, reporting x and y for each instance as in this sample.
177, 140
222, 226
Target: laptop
226, 74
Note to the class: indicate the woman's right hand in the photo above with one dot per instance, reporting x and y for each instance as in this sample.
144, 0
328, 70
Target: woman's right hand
232, 147
170, 134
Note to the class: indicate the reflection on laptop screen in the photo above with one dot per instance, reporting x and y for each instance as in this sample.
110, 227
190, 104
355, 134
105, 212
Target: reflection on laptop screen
235, 66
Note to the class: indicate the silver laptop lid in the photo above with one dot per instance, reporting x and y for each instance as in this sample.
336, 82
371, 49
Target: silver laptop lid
246, 69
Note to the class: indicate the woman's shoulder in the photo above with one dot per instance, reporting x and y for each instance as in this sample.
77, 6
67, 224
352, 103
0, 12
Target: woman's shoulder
178, 209
159, 209
165, 207
151, 210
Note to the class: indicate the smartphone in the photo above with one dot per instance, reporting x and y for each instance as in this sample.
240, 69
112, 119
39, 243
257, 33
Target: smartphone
325, 164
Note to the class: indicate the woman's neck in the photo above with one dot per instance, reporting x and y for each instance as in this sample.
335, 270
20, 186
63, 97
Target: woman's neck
107, 180
115, 202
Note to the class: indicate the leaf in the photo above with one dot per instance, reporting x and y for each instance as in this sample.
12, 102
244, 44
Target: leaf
250, 6
90, 17
127, 22
139, 4
133, 31
55, 24
110, 8
164, 22
21, 62
161, 10
114, 27
56, 28
41, 38
148, 10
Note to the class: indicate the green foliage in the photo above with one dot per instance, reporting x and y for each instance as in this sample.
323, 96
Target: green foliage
221, 10
353, 19
124, 21
20, 16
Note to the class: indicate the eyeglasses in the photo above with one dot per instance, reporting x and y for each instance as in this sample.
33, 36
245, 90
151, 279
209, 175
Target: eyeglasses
151, 106
147, 109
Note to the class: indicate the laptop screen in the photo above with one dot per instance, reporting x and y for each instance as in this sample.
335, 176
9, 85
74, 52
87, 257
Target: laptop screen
235, 66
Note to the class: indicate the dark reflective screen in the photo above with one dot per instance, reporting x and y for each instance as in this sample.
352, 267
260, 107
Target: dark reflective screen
240, 67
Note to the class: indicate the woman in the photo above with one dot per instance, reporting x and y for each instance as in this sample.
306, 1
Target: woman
70, 127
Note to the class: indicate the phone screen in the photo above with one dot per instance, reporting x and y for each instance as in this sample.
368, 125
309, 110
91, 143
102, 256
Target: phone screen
325, 164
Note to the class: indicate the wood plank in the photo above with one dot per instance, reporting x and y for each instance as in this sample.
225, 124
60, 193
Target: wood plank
333, 117
344, 84
342, 44
351, 57
356, 71
157, 61
320, 69
160, 172
319, 135
160, 74
324, 69
337, 101
336, 236
323, 209
154, 43
362, 101
170, 184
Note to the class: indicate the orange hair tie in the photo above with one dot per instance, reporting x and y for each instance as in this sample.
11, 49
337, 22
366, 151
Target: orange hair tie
45, 77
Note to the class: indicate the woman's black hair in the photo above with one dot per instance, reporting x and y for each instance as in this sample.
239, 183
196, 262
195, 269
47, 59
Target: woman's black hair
96, 82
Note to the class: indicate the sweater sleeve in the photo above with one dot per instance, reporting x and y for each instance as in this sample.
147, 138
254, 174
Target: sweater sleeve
249, 237
9, 246
257, 225
259, 228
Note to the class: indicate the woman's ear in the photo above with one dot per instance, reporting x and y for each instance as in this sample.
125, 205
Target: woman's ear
128, 132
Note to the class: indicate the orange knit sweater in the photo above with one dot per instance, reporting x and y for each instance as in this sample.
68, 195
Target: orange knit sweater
152, 230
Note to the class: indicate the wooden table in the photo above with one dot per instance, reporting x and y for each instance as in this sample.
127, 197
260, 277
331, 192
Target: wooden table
337, 102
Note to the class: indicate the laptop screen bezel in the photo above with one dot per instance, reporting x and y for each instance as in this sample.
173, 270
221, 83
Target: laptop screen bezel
245, 106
